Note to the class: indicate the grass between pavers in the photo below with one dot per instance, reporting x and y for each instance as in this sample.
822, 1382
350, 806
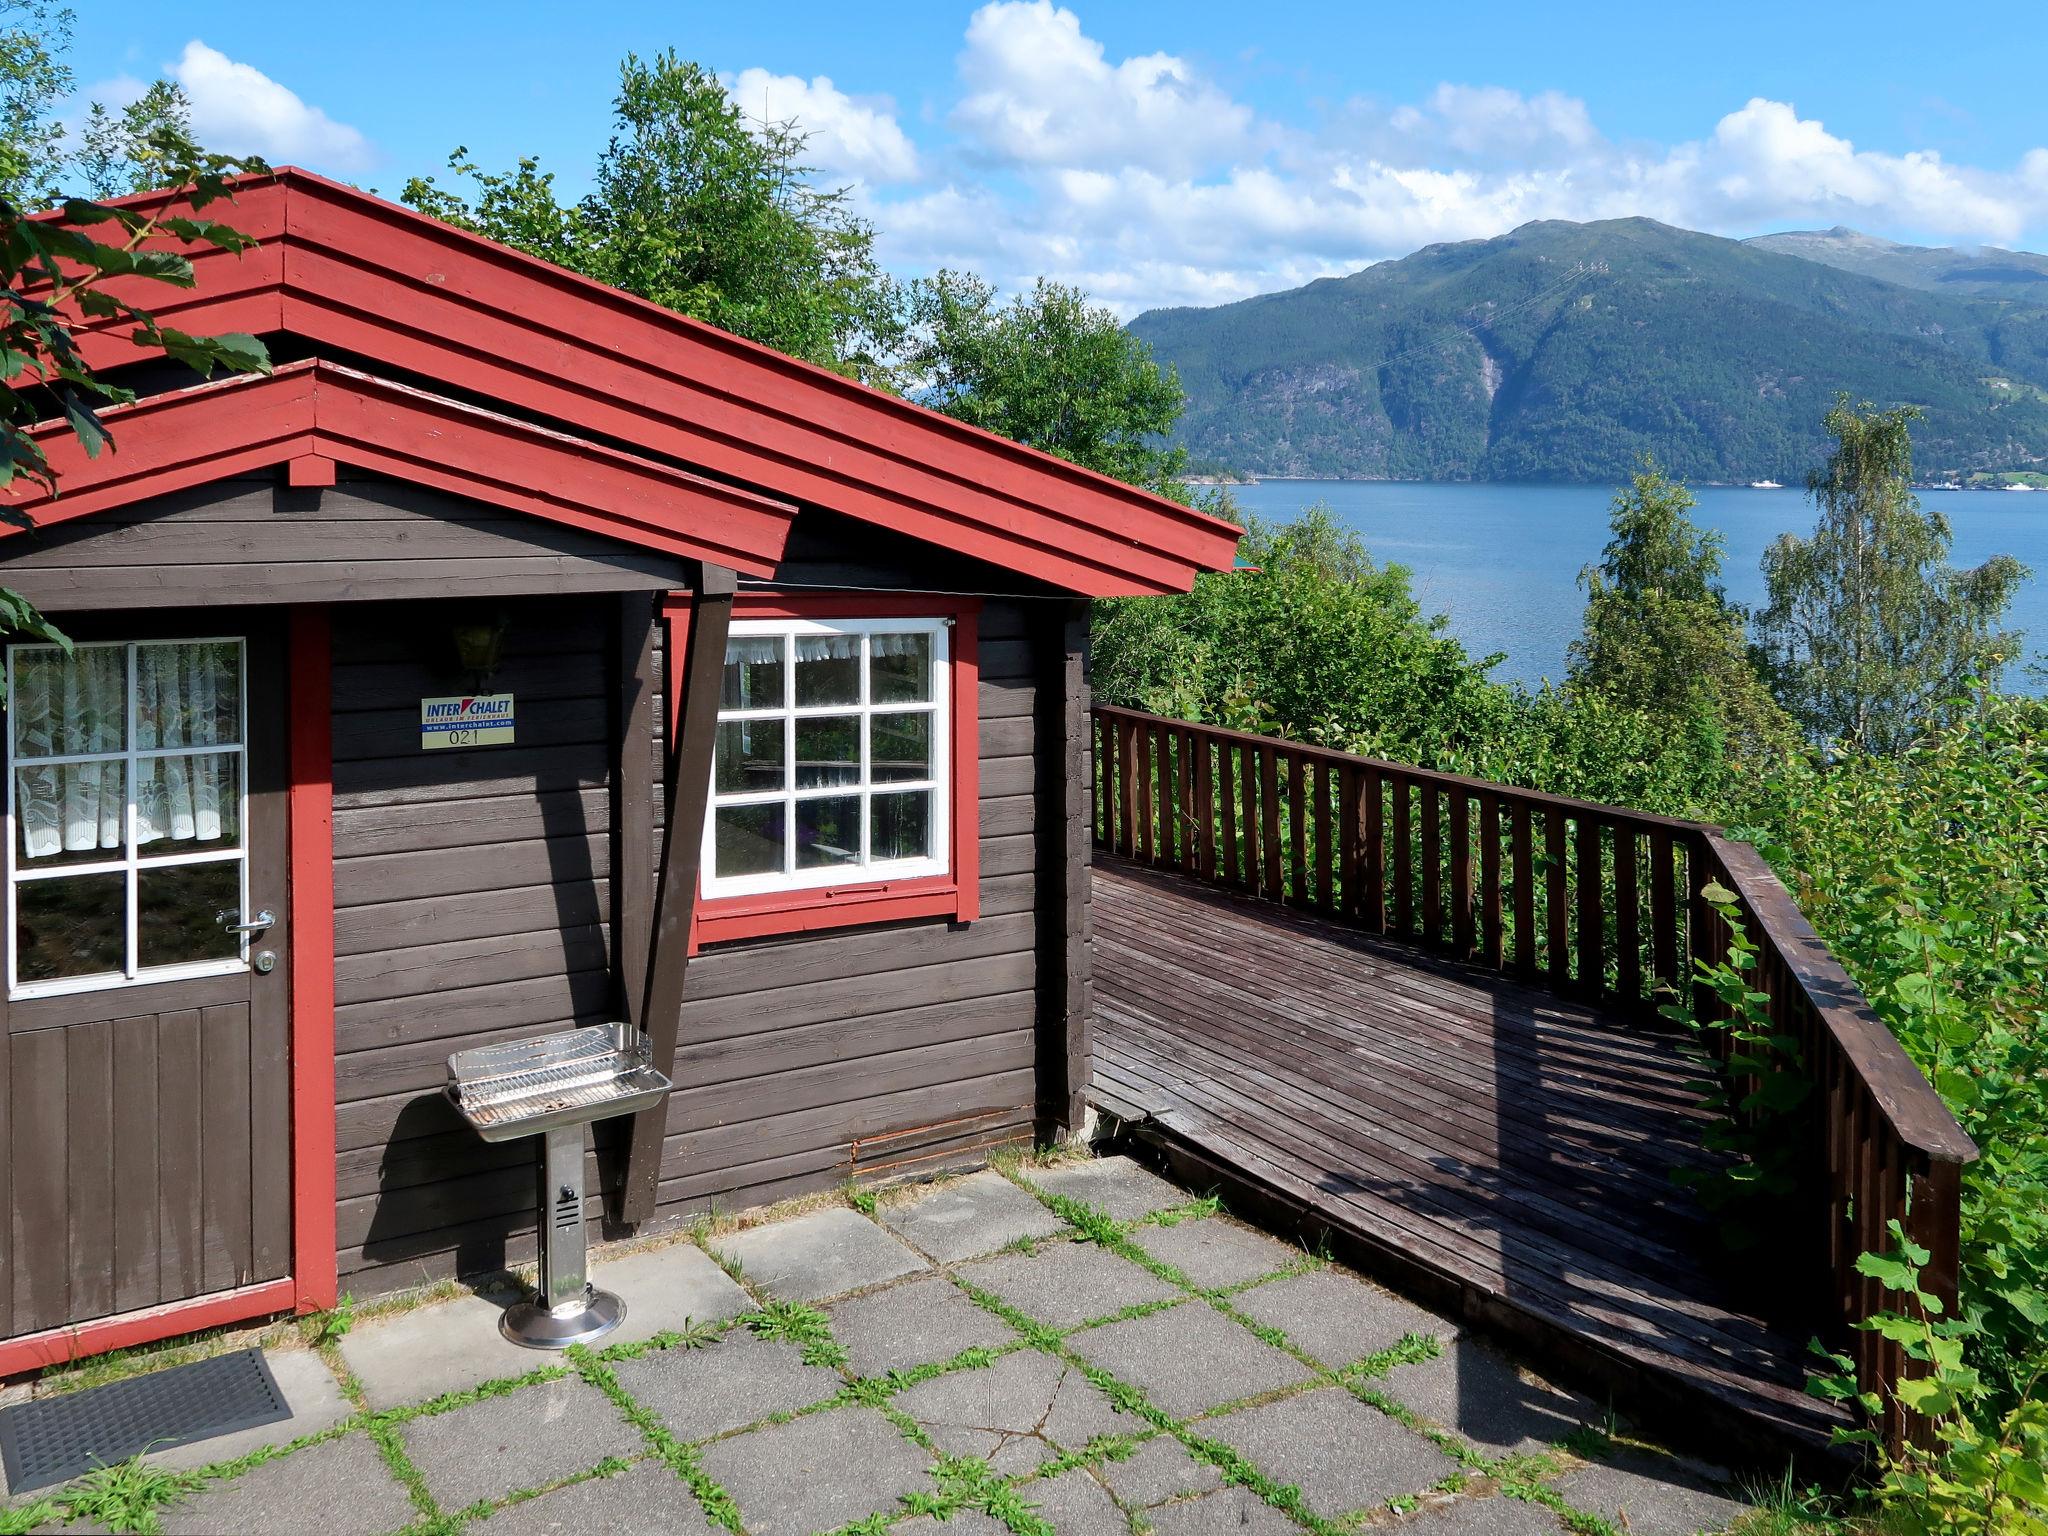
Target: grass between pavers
964, 1483
1526, 1478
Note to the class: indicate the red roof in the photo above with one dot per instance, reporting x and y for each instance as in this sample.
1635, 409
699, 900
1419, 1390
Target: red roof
317, 409
356, 275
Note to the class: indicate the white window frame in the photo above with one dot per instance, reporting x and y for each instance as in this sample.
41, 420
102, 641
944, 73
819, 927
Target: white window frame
939, 786
131, 862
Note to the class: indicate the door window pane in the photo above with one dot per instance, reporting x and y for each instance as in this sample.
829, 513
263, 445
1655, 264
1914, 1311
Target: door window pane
188, 695
750, 756
902, 748
828, 831
753, 673
827, 751
70, 813
70, 927
901, 669
64, 706
900, 826
827, 670
189, 803
177, 912
748, 839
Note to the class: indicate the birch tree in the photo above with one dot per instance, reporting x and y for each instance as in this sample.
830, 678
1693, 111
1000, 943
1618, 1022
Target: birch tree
1870, 635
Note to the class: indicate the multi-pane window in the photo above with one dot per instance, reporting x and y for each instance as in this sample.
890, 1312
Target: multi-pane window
831, 764
127, 788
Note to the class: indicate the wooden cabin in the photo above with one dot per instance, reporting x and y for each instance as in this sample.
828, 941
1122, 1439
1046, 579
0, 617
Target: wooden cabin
521, 655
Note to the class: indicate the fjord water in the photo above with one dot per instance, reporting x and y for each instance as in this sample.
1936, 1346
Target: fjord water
1503, 561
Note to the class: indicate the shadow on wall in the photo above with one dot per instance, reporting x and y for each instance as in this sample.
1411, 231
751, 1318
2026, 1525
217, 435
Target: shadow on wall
442, 1192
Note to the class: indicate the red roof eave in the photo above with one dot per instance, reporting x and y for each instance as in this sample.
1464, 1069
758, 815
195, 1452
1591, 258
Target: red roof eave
355, 273
238, 426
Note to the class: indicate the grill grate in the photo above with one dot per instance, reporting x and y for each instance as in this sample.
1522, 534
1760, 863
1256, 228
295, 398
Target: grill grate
545, 1099
53, 1439
528, 1087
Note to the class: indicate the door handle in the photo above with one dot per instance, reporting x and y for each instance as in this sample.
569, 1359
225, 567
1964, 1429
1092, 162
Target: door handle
256, 924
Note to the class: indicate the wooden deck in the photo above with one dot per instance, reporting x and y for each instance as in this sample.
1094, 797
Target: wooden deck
1468, 1137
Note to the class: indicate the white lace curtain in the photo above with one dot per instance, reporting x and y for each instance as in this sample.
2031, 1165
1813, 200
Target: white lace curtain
900, 645
78, 705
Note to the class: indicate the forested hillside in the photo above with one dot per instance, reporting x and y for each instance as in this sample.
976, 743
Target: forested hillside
1566, 351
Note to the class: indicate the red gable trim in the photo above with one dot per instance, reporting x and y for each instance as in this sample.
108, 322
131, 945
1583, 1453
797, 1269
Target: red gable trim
213, 431
354, 273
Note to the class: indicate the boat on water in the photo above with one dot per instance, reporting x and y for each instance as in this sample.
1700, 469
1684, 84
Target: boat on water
2016, 487
1766, 485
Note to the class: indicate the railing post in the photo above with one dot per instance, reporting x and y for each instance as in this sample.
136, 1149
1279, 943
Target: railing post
1934, 1219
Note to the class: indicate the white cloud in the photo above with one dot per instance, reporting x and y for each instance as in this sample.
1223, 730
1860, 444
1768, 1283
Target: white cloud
1040, 92
849, 136
237, 109
1146, 182
1766, 161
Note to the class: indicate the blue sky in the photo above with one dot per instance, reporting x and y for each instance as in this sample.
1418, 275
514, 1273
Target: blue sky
1189, 153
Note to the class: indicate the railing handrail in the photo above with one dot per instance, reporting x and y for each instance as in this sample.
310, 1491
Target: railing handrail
1916, 1113
1564, 803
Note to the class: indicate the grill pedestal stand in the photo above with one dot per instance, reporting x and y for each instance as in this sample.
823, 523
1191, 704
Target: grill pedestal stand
552, 1087
570, 1310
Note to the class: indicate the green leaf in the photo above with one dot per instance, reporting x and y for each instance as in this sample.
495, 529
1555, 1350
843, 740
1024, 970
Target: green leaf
1888, 1271
92, 436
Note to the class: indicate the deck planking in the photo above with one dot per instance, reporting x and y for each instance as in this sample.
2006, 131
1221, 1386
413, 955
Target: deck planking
1486, 1140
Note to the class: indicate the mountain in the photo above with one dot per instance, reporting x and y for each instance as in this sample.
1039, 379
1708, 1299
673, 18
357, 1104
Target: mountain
1565, 351
1988, 273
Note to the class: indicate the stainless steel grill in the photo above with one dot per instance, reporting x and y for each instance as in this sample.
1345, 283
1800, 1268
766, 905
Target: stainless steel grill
552, 1087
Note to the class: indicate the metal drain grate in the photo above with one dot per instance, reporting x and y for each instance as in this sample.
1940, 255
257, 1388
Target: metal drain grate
54, 1438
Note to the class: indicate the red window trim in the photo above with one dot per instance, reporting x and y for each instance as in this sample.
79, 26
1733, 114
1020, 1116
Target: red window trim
956, 895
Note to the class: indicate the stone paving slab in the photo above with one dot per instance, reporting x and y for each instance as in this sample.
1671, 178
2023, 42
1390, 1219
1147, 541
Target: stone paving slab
968, 1217
645, 1498
341, 1485
1291, 1442
962, 1522
919, 1322
1115, 1185
1652, 1495
1077, 1505
1237, 1511
739, 1380
312, 1393
1495, 1516
667, 1289
1188, 1359
1470, 1389
826, 1253
538, 1434
1158, 1470
1336, 1317
450, 1346
1067, 1284
1023, 1410
818, 1472
1213, 1252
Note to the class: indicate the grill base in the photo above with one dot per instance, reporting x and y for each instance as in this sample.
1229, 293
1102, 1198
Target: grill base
533, 1326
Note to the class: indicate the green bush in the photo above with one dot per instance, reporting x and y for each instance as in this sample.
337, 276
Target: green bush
1927, 875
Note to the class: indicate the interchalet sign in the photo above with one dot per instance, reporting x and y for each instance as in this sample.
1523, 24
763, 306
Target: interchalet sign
472, 720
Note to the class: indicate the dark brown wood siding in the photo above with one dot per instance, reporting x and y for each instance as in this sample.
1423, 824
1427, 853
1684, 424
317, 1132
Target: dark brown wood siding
803, 1059
260, 541
472, 898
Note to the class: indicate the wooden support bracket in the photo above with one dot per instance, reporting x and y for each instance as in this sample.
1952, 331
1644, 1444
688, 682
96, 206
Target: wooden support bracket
675, 896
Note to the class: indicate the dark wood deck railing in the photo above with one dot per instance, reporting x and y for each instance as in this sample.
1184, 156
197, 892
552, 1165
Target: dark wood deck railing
1593, 902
